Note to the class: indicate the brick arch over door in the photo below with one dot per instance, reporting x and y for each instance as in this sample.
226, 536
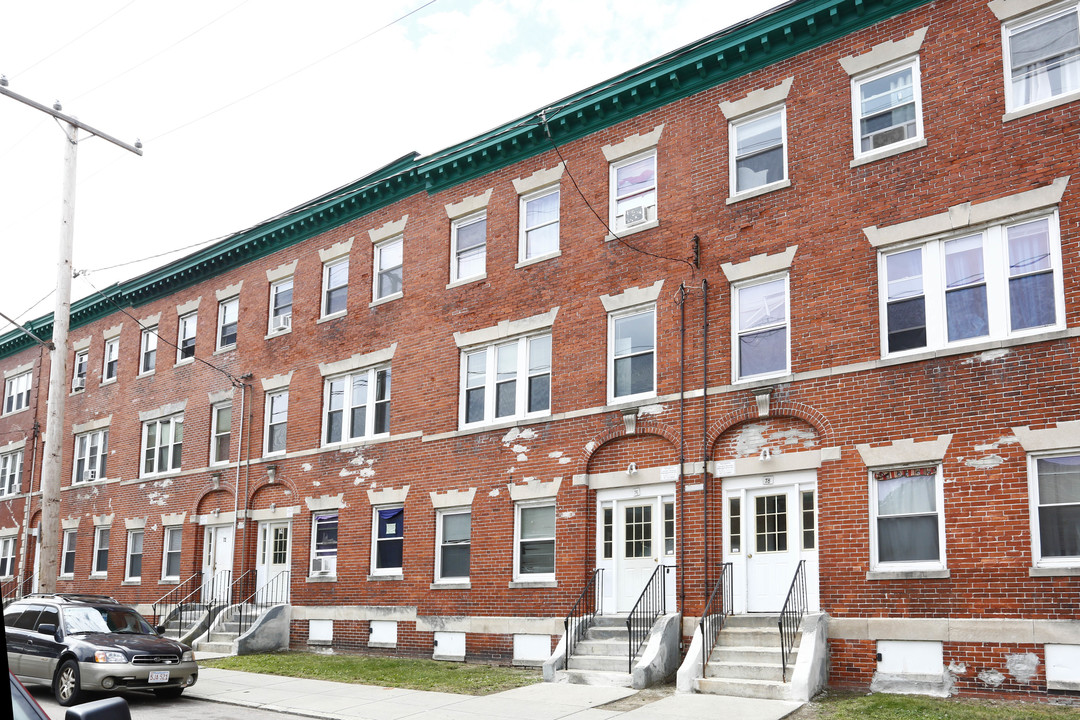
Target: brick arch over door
781, 434
279, 492
221, 499
664, 439
778, 408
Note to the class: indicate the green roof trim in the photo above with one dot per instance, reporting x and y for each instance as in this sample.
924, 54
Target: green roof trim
781, 33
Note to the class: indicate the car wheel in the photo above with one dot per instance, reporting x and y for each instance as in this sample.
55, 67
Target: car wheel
66, 684
169, 693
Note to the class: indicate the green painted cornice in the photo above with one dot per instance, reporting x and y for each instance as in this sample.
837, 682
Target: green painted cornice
781, 33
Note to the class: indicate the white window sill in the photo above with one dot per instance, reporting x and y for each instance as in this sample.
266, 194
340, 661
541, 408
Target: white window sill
785, 376
626, 232
16, 412
524, 584
223, 350
509, 420
363, 440
149, 373
277, 333
321, 578
388, 576
908, 574
389, 298
152, 478
1040, 106
169, 581
110, 381
1073, 571
444, 585
883, 153
758, 191
466, 281
538, 259
65, 577
981, 345
137, 581
335, 316
185, 361
98, 575
73, 393
624, 399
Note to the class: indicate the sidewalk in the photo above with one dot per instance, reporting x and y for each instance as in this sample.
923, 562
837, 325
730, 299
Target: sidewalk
543, 701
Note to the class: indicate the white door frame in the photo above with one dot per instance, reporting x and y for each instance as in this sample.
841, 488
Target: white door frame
265, 569
622, 582
219, 543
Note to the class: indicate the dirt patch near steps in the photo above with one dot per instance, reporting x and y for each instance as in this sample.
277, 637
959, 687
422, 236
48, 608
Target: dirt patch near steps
640, 698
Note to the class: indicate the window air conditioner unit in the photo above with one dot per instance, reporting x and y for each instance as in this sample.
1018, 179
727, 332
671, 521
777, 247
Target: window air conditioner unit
78, 383
282, 322
634, 216
322, 566
91, 474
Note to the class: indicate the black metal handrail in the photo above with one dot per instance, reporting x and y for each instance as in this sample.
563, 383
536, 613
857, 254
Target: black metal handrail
273, 592
177, 603
792, 614
716, 611
651, 604
583, 613
14, 589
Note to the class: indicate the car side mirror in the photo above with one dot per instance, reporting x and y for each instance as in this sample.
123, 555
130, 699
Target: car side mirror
159, 629
47, 629
113, 708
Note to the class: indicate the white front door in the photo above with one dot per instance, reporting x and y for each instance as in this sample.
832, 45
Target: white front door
637, 550
275, 550
217, 562
772, 551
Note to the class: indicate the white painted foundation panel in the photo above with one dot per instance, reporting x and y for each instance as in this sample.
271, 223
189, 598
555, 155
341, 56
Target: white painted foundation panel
383, 633
449, 645
909, 657
532, 647
320, 631
1062, 663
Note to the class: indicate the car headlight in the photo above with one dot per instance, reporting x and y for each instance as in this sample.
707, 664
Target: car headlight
188, 656
108, 656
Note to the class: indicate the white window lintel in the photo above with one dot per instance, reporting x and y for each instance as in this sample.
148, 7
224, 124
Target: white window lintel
12, 446
757, 100
469, 205
150, 321
1006, 10
539, 179
325, 502
278, 382
70, 523
189, 307
281, 271
389, 230
759, 265
506, 329
1062, 436
92, 425
25, 368
173, 519
220, 396
81, 344
135, 523
632, 297
388, 496
358, 361
163, 411
9, 531
113, 332
534, 490
452, 498
887, 52
230, 292
104, 520
905, 452
336, 251
633, 145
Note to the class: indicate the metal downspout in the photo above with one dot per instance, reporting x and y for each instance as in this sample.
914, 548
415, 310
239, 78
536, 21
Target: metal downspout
705, 421
682, 444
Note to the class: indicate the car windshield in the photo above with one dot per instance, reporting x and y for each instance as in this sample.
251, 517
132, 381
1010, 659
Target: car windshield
104, 620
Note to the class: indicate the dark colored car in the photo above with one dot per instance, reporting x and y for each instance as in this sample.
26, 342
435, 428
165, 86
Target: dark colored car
79, 643
24, 707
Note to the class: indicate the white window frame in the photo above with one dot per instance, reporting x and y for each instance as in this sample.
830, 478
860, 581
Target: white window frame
522, 377
525, 228
273, 399
372, 375
440, 517
111, 356
168, 532
229, 307
737, 332
215, 432
84, 443
733, 154
68, 547
101, 542
379, 250
519, 540
129, 554
1027, 22
148, 351
7, 557
174, 423
914, 565
280, 321
376, 540
11, 473
996, 277
17, 392
1034, 502
858, 81
613, 317
186, 327
330, 557
652, 210
324, 303
455, 226
78, 370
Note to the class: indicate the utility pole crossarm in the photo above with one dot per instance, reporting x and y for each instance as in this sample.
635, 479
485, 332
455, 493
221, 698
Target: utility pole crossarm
4, 90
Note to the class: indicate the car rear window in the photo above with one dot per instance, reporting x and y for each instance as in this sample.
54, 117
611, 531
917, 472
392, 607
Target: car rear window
28, 620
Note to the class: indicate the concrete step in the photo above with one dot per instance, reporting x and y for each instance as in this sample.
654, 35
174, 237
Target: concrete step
748, 654
596, 678
748, 637
607, 633
765, 689
602, 663
213, 647
602, 647
745, 671
218, 637
610, 620
756, 620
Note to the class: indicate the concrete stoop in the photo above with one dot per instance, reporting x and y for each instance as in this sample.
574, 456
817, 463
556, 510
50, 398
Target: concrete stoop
602, 656
223, 634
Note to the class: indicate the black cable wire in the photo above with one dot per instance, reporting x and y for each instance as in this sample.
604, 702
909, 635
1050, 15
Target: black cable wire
74, 39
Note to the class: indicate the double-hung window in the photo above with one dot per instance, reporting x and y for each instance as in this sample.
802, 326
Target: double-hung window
908, 522
324, 543
1055, 509
761, 328
220, 432
228, 319
281, 297
148, 351
633, 191
335, 287
111, 361
170, 557
7, 557
277, 421
185, 337
758, 150
468, 246
1042, 57
539, 224
133, 566
78, 377
454, 539
632, 354
887, 108
67, 553
10, 472
162, 445
534, 542
91, 453
357, 405
1003, 281
388, 262
388, 543
17, 393
101, 551
507, 380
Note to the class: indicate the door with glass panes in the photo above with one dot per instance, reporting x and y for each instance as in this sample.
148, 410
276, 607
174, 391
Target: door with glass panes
217, 562
637, 535
273, 564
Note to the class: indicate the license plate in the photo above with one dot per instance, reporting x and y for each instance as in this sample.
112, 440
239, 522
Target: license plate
159, 676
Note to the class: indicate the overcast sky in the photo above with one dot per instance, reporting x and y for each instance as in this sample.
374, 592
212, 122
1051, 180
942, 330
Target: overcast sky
249, 107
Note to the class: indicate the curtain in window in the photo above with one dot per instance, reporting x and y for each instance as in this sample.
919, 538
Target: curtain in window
1045, 60
907, 516
1059, 506
391, 533
1031, 276
965, 289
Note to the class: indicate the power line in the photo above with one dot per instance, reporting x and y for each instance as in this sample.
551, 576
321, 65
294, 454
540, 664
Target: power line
76, 38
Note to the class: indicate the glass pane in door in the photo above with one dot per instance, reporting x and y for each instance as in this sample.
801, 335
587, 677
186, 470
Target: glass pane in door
770, 516
638, 531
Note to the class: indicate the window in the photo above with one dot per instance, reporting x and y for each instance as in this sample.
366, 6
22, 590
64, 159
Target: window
134, 555
281, 294
220, 433
535, 543
112, 359
809, 524
1001, 282
389, 541
357, 405
67, 554
148, 353
1043, 57
101, 551
539, 224
908, 525
162, 445
324, 543
91, 451
633, 191
335, 286
7, 557
669, 528
170, 561
735, 524
17, 393
761, 329
185, 337
10, 472
454, 535
277, 420
1055, 505
887, 108
632, 354
78, 378
609, 532
758, 151
511, 380
468, 247
388, 267
228, 318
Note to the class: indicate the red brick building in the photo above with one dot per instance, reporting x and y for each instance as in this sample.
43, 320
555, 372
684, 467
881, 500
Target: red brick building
806, 290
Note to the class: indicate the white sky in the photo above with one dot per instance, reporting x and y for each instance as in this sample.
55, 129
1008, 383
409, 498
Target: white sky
249, 107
